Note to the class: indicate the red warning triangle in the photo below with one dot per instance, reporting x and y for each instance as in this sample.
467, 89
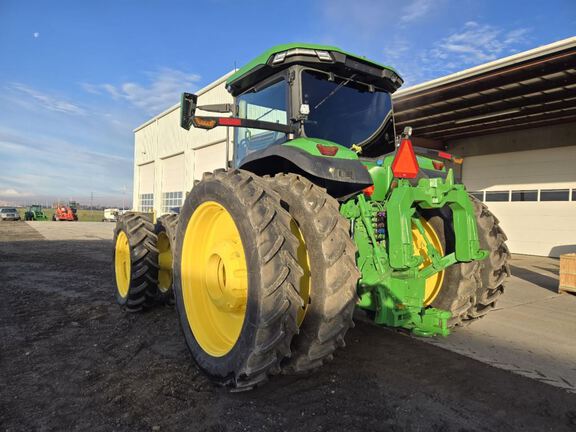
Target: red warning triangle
405, 164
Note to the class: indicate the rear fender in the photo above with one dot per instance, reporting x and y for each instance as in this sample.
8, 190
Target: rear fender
340, 177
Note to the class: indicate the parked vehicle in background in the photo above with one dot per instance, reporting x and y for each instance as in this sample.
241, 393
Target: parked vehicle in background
35, 212
110, 215
9, 213
65, 213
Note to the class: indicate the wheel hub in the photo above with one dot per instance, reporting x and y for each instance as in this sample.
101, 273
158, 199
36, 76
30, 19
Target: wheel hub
225, 277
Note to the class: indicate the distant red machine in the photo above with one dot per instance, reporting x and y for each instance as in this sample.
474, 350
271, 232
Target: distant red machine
65, 213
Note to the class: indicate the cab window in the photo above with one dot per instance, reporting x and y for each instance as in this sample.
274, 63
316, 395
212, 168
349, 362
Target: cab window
267, 104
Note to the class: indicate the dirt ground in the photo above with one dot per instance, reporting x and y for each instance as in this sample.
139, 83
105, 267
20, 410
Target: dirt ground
70, 359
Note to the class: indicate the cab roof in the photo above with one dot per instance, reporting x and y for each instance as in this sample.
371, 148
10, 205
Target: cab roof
323, 57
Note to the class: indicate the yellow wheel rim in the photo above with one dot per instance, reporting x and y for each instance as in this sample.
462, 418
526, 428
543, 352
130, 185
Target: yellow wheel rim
214, 278
164, 263
304, 261
434, 282
122, 264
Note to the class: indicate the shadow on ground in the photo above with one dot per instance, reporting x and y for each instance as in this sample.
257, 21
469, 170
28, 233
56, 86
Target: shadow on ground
548, 282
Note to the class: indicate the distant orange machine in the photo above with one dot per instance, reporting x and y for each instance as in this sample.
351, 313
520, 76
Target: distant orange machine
65, 213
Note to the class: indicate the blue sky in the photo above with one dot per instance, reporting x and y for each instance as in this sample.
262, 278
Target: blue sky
76, 77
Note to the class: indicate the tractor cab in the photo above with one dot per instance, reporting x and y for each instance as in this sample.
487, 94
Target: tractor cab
321, 92
298, 104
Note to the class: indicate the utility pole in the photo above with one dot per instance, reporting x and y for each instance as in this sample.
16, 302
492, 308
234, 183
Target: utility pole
91, 201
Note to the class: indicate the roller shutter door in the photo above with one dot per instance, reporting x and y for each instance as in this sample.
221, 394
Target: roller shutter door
533, 194
146, 187
173, 182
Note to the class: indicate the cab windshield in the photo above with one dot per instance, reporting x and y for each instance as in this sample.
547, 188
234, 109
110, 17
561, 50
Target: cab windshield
342, 110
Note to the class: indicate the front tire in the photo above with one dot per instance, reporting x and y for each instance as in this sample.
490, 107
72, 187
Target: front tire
236, 278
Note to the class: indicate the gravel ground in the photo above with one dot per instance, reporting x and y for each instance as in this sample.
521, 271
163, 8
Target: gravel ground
70, 359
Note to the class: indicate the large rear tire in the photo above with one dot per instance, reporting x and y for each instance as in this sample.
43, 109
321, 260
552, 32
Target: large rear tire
495, 268
470, 290
236, 278
135, 262
327, 254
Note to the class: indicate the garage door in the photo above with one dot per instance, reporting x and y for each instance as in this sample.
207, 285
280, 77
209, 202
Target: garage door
209, 158
146, 187
173, 171
533, 193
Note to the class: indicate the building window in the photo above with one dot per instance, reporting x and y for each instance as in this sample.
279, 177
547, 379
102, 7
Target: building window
479, 195
525, 195
573, 194
146, 202
554, 195
171, 200
493, 196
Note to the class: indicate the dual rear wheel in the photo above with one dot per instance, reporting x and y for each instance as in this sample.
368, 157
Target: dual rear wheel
264, 276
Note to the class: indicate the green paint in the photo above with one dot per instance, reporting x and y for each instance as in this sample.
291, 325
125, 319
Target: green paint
392, 284
310, 145
263, 58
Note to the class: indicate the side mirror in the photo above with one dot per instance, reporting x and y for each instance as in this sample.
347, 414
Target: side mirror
188, 103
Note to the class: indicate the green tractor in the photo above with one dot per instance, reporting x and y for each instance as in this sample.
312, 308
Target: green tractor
35, 213
322, 209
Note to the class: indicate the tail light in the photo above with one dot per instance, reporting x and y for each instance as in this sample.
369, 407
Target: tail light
327, 150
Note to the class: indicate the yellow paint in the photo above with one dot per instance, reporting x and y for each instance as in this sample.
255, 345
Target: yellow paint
164, 262
304, 261
434, 282
214, 278
122, 264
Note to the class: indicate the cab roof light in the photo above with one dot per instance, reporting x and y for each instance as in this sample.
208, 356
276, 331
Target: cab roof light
405, 164
324, 55
281, 56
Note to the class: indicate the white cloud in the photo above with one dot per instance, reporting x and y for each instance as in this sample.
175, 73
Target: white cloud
477, 43
161, 92
416, 10
13, 193
44, 100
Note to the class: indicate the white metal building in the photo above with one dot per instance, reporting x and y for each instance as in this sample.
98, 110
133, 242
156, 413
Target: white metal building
167, 158
513, 120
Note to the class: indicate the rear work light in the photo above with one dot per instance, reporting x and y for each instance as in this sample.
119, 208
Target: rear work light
327, 150
405, 164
